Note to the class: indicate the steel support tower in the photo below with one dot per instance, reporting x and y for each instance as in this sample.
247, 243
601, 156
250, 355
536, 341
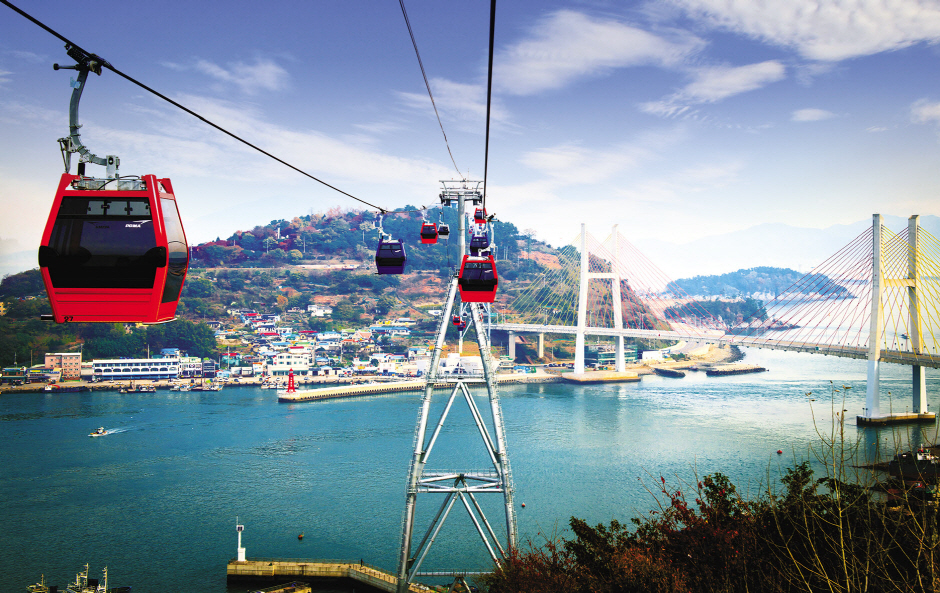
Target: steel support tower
463, 485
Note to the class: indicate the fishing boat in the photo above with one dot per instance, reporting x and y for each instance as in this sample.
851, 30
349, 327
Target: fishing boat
40, 587
99, 432
83, 584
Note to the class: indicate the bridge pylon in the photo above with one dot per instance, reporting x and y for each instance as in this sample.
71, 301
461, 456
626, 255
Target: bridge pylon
880, 283
615, 277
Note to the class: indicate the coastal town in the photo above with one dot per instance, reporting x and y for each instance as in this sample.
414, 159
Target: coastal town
263, 349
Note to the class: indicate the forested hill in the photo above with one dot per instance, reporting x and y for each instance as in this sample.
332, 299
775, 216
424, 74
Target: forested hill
350, 235
753, 281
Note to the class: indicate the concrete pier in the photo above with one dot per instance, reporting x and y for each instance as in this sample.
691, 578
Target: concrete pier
396, 386
896, 418
602, 377
311, 571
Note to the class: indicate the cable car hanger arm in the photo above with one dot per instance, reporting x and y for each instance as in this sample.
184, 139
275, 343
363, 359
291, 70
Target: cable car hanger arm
85, 63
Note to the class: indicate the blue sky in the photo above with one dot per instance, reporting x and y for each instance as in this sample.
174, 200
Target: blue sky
676, 119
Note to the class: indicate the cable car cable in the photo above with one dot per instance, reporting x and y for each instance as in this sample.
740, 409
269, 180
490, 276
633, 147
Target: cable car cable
109, 66
489, 96
428, 85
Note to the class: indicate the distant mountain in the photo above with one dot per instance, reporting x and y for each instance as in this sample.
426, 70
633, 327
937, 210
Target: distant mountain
763, 282
772, 244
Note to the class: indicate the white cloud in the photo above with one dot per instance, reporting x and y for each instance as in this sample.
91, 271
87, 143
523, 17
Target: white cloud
4, 77
713, 84
677, 188
925, 112
568, 45
571, 164
825, 30
15, 112
811, 114
462, 103
29, 56
263, 74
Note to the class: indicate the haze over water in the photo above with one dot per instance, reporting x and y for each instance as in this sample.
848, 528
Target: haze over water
157, 500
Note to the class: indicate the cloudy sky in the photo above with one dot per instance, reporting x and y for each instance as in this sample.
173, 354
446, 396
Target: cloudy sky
676, 119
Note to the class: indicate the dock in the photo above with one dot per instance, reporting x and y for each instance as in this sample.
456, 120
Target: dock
668, 372
262, 570
733, 369
414, 385
602, 377
896, 418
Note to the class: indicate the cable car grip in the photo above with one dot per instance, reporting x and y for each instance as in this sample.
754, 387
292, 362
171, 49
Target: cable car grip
85, 63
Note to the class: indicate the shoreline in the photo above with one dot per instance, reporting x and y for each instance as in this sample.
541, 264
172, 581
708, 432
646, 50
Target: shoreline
715, 356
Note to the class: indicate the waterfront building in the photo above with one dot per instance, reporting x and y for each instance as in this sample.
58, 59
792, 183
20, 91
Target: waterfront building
136, 368
70, 364
13, 375
292, 358
606, 354
190, 366
208, 368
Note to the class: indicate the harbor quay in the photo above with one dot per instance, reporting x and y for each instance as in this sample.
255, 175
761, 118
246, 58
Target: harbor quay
320, 572
396, 386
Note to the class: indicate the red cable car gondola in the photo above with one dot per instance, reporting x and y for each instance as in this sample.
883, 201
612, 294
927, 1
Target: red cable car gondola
428, 233
479, 215
115, 256
477, 281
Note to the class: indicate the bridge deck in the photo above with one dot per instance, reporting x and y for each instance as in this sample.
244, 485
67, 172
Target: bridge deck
891, 356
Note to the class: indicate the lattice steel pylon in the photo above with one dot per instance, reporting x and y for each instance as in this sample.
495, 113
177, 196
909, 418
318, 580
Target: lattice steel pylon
462, 484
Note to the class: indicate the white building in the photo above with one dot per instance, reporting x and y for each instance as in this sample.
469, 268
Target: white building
136, 368
190, 366
318, 311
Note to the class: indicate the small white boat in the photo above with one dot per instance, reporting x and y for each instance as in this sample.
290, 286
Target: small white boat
100, 432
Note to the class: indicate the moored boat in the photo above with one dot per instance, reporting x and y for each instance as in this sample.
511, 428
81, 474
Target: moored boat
40, 587
84, 584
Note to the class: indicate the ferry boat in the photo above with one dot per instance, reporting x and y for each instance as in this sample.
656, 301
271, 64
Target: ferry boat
99, 432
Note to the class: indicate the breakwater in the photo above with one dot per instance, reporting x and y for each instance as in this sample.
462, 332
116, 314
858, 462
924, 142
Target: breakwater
398, 386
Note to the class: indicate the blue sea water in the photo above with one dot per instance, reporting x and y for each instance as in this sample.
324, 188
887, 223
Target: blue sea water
156, 499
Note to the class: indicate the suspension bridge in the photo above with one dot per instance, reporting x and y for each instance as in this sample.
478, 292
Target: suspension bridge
875, 299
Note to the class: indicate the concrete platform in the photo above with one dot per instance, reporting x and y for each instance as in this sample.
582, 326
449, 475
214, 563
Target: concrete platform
312, 571
896, 418
304, 395
602, 377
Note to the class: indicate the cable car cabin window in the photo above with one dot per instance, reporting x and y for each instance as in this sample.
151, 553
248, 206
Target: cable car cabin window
390, 254
178, 252
98, 243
